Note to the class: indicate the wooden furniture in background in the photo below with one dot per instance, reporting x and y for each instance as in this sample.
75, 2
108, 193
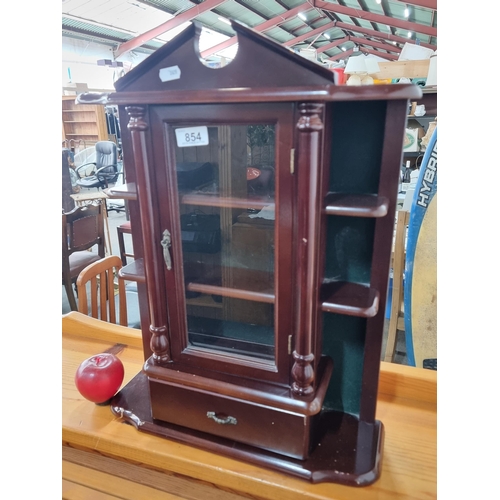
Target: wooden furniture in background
396, 320
82, 229
67, 189
121, 230
102, 456
104, 303
83, 123
293, 384
96, 198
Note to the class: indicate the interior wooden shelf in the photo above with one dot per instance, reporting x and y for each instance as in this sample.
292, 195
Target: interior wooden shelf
124, 191
203, 301
209, 200
135, 272
413, 153
233, 293
351, 299
81, 135
356, 205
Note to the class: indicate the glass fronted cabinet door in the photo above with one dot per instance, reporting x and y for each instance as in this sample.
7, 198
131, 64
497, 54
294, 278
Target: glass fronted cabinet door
225, 192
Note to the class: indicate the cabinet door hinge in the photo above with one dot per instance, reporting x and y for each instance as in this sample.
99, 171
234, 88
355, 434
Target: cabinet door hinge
292, 161
289, 344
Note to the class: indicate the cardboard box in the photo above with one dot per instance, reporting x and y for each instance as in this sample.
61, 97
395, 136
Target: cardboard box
399, 69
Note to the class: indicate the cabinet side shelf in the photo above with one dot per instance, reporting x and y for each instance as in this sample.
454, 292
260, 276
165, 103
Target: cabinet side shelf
124, 191
133, 271
351, 299
356, 205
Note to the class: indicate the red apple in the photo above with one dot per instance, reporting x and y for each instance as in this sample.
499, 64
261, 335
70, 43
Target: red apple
99, 377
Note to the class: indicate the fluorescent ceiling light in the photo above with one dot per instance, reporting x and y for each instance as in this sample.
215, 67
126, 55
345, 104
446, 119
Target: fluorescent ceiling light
378, 1
326, 35
224, 20
407, 12
409, 34
302, 16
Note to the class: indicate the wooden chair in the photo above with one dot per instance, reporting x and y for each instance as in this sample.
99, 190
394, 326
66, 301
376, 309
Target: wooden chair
124, 228
109, 297
82, 229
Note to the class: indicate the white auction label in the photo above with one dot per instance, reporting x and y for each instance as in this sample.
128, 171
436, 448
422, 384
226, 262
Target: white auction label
191, 136
171, 73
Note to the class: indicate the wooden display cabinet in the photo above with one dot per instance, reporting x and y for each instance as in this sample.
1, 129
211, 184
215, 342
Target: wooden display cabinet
264, 285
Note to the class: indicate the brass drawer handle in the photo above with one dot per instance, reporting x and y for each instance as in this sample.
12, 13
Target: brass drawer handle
223, 421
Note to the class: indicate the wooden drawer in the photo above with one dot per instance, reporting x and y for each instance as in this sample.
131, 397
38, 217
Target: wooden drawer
269, 428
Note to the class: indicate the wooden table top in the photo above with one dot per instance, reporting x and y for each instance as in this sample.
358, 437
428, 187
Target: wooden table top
104, 458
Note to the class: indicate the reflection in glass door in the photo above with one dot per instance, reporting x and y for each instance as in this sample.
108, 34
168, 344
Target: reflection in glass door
226, 191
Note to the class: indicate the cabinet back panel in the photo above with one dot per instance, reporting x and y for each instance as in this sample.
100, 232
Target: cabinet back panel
356, 143
344, 342
349, 248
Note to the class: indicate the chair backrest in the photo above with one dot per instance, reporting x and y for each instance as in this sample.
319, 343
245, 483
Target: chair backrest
106, 155
82, 228
98, 281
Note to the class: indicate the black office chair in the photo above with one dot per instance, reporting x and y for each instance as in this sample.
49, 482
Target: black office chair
105, 168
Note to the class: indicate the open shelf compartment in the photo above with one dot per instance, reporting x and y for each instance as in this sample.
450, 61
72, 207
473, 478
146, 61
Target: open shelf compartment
352, 299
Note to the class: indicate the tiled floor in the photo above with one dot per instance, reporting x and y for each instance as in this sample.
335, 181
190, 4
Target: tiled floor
117, 218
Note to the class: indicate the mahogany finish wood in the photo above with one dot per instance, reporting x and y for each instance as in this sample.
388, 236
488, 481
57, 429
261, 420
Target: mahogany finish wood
356, 205
126, 191
295, 388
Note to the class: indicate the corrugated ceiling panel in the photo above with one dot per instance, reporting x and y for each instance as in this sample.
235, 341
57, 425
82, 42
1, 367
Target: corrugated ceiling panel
113, 13
68, 23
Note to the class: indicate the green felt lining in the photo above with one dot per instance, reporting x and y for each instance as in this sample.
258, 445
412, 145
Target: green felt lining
357, 138
343, 341
356, 141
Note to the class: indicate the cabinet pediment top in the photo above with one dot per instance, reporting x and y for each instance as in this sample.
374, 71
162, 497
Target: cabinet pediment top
259, 62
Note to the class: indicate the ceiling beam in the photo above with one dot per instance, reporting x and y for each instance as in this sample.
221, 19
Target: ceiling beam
309, 34
181, 18
342, 55
362, 41
347, 53
376, 18
379, 34
266, 25
332, 45
392, 57
426, 4
378, 45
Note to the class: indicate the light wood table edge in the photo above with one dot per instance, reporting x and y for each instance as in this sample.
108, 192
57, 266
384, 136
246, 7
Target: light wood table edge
200, 465
75, 323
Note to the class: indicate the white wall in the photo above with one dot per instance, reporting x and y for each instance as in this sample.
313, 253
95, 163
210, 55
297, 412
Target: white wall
79, 58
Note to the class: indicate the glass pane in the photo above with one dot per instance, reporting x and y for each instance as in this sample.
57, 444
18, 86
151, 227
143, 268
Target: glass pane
225, 180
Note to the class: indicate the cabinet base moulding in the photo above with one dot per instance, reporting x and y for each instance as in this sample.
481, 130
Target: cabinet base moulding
348, 451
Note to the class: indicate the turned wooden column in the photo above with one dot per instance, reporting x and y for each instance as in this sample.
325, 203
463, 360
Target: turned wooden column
153, 252
308, 212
